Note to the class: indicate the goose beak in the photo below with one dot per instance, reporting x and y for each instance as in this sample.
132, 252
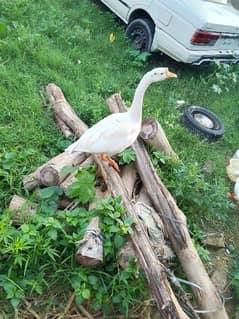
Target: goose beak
170, 74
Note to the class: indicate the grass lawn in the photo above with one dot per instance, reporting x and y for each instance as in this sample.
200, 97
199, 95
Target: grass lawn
68, 43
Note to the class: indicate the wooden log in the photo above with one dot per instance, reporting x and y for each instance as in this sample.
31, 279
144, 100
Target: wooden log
153, 134
90, 249
167, 303
175, 224
51, 173
23, 209
64, 111
67, 132
149, 218
128, 175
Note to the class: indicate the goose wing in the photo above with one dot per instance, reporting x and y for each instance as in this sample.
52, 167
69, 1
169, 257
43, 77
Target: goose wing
110, 135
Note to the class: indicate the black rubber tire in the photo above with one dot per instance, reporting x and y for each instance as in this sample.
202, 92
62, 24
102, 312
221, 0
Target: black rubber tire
141, 33
210, 133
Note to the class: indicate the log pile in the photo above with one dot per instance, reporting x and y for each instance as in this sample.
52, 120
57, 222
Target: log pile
160, 227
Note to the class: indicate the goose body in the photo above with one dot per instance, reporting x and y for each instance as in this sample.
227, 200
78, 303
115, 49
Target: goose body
118, 131
111, 135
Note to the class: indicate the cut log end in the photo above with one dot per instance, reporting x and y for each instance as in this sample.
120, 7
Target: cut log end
153, 134
90, 249
49, 176
149, 129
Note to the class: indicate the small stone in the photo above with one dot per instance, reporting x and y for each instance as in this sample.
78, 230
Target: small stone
215, 240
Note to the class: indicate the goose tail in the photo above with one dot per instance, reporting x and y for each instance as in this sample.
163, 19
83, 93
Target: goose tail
74, 147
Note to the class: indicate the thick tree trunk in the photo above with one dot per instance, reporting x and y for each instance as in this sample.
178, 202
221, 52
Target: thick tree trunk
175, 224
153, 134
51, 173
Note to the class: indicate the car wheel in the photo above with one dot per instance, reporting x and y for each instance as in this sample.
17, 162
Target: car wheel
203, 121
141, 32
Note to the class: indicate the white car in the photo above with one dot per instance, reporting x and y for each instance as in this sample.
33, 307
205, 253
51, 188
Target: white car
190, 31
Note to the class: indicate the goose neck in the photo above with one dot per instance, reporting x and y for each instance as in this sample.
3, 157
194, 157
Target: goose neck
135, 110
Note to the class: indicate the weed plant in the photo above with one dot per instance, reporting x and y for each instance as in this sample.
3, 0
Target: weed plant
81, 47
38, 253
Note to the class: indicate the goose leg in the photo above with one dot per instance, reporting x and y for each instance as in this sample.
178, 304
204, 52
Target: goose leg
110, 162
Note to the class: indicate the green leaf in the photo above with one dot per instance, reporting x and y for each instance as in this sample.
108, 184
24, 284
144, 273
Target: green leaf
93, 280
127, 156
113, 229
118, 241
85, 293
15, 302
128, 221
69, 169
83, 190
79, 299
48, 192
117, 299
52, 233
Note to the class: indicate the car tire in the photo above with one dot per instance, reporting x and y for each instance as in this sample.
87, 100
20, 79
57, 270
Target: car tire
141, 32
201, 120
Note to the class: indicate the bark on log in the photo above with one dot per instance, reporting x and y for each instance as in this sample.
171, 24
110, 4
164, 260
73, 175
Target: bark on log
51, 173
90, 250
64, 111
175, 224
153, 134
23, 209
67, 132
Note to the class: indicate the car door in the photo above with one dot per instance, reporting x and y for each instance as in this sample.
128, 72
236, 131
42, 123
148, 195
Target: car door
122, 7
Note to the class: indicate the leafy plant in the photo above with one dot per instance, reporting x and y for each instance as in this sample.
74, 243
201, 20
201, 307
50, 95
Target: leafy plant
139, 57
39, 254
225, 76
82, 190
127, 156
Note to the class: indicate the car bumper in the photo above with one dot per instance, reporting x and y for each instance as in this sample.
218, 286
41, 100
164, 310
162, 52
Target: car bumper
165, 43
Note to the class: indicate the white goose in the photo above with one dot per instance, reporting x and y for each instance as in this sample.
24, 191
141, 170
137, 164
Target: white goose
116, 132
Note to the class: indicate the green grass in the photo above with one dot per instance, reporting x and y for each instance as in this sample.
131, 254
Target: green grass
68, 43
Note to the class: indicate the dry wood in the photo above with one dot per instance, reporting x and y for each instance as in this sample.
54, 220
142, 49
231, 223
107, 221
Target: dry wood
90, 249
51, 173
157, 279
175, 224
128, 175
64, 111
63, 127
167, 303
148, 216
153, 134
22, 207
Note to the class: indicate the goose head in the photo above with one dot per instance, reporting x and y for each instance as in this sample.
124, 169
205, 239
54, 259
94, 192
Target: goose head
159, 74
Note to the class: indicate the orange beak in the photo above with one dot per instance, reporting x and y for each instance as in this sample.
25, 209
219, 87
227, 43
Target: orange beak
170, 74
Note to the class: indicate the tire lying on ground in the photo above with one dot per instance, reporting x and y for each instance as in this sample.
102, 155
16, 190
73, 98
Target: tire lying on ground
202, 121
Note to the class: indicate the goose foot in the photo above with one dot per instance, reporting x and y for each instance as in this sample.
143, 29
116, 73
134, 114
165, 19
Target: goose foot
110, 162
